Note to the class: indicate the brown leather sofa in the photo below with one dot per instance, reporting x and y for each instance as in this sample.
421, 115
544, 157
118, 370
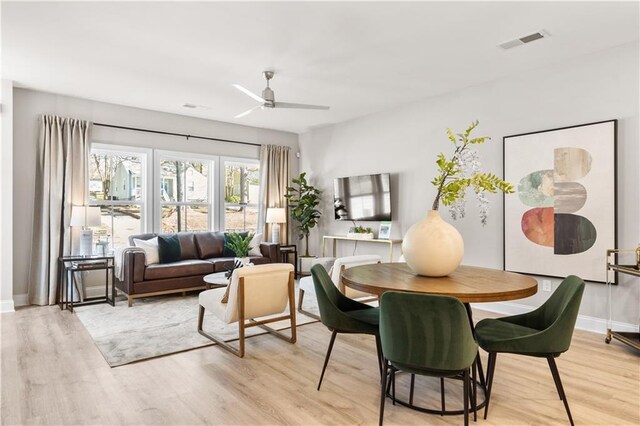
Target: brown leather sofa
201, 254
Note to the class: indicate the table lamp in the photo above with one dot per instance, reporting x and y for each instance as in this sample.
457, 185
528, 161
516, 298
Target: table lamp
85, 216
276, 216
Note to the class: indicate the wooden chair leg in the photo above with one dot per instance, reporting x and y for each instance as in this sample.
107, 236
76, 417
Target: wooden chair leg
302, 311
491, 367
238, 352
326, 359
560, 389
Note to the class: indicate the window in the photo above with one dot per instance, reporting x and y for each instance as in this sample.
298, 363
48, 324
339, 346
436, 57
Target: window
241, 192
191, 192
185, 188
117, 177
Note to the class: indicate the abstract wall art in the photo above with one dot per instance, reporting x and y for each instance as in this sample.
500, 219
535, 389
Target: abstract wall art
562, 218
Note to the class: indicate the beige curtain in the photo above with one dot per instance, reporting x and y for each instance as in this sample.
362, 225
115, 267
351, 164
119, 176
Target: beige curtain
274, 179
61, 181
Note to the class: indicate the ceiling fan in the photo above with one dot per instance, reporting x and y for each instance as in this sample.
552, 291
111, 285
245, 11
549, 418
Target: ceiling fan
267, 99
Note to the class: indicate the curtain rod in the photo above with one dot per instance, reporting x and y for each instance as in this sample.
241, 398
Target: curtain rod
135, 129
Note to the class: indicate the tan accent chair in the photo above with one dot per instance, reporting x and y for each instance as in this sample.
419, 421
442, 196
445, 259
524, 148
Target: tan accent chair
339, 266
255, 292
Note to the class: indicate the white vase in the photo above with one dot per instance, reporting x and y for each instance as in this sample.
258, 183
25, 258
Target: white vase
433, 247
244, 260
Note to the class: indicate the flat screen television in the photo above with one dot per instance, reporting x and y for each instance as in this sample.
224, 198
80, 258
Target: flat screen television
366, 197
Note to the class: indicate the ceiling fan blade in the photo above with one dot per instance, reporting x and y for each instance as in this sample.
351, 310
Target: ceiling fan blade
248, 93
247, 112
299, 106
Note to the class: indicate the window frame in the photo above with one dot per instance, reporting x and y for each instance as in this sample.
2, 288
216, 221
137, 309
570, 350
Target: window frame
213, 164
221, 179
145, 202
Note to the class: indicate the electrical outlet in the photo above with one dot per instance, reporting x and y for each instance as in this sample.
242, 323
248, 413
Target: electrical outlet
546, 285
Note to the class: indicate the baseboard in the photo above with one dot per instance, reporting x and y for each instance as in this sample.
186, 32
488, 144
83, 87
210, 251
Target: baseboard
584, 322
6, 306
21, 299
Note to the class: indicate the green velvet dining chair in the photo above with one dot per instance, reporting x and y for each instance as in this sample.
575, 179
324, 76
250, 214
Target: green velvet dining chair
427, 335
341, 314
545, 332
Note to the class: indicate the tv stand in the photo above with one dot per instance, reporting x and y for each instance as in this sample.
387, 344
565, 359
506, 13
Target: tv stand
335, 239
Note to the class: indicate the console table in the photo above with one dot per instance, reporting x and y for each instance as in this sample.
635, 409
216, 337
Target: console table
285, 251
335, 239
70, 265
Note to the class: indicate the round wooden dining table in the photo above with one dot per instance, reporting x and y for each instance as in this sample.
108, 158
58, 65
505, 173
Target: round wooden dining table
470, 284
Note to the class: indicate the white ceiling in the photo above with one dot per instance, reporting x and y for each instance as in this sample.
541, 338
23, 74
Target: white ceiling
359, 58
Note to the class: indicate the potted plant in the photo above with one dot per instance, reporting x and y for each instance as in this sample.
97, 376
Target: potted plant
360, 232
303, 200
240, 245
432, 247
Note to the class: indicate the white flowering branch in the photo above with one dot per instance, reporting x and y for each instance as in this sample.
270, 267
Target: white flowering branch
464, 170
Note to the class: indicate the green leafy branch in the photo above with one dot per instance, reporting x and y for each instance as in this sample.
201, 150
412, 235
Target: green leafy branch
450, 182
240, 245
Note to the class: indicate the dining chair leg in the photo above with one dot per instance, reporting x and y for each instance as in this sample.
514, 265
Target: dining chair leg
393, 386
383, 389
491, 367
474, 394
379, 354
413, 384
556, 378
326, 359
442, 395
465, 397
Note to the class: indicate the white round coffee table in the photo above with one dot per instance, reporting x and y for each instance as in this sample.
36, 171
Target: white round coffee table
217, 279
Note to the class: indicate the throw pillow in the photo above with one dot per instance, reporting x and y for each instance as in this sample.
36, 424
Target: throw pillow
228, 252
169, 248
255, 245
150, 248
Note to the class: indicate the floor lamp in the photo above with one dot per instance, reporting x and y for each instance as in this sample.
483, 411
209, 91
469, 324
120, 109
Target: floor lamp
276, 216
85, 216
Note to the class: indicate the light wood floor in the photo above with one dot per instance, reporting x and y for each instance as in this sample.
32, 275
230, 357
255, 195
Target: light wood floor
53, 374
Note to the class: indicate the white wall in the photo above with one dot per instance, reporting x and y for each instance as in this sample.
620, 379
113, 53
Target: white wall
405, 141
29, 104
6, 211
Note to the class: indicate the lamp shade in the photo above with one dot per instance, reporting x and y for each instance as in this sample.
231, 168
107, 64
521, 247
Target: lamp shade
85, 216
276, 215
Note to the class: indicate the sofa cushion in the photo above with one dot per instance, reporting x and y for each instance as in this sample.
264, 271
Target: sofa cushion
209, 244
169, 248
223, 264
188, 247
183, 268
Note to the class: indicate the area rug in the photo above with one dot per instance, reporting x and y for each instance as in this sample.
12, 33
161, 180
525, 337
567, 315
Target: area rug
159, 326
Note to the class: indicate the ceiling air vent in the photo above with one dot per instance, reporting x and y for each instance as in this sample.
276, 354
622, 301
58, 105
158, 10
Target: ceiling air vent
524, 40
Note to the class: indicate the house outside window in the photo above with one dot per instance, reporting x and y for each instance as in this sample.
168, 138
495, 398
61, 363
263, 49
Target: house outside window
185, 184
117, 177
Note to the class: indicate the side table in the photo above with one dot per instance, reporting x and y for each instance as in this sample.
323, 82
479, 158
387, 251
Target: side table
69, 265
286, 250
